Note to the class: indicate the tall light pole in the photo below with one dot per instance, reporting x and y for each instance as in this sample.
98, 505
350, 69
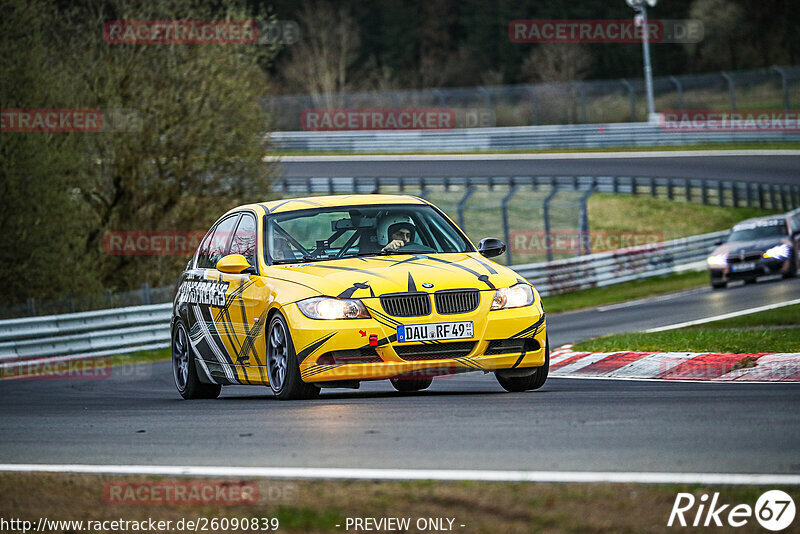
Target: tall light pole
641, 9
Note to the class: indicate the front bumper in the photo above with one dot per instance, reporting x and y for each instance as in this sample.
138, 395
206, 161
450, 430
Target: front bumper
326, 349
761, 267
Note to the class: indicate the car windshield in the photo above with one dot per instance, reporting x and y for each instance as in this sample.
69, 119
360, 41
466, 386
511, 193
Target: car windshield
758, 231
344, 232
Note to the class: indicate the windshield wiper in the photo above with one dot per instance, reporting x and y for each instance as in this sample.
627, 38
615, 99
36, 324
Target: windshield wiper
304, 259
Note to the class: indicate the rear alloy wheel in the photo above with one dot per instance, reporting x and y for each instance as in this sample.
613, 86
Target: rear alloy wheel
406, 385
530, 382
282, 366
184, 369
719, 285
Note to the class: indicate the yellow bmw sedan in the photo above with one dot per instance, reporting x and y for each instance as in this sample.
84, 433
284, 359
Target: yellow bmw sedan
317, 292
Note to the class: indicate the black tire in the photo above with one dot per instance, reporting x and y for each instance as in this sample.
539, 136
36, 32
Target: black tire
406, 385
751, 281
516, 384
719, 285
792, 267
282, 366
184, 368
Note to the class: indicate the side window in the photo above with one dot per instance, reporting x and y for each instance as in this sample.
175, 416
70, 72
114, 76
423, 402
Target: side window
216, 244
203, 261
244, 240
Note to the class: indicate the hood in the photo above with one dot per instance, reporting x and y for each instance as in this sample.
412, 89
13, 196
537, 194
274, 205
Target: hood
741, 247
373, 276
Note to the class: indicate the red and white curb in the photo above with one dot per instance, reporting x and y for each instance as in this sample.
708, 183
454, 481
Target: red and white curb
717, 367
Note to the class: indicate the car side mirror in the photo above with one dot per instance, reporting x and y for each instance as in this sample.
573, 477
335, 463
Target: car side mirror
490, 247
235, 264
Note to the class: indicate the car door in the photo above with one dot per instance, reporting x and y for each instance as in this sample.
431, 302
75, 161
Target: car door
241, 322
207, 296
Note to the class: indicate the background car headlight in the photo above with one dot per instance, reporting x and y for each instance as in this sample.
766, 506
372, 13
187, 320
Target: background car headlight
779, 252
720, 260
516, 296
330, 308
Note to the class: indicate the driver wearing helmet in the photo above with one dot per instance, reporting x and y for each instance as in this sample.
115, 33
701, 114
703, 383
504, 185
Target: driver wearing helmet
395, 231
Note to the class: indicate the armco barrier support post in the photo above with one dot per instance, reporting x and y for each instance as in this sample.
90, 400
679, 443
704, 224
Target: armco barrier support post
506, 229
688, 186
704, 191
720, 194
653, 188
735, 194
31, 305
546, 211
761, 201
463, 203
772, 202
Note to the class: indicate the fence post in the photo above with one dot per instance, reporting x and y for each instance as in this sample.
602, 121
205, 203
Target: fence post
582, 96
31, 305
688, 185
627, 85
546, 211
731, 89
145, 294
679, 87
534, 104
772, 203
506, 229
669, 189
70, 303
784, 86
704, 191
462, 204
761, 201
735, 194
720, 194
749, 195
584, 223
653, 188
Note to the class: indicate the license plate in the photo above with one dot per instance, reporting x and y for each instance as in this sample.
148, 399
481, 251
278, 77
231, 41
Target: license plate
749, 266
434, 331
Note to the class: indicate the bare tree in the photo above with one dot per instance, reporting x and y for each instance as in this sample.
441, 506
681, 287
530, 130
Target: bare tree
556, 63
321, 61
724, 26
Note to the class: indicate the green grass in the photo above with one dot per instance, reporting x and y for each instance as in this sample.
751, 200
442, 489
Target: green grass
770, 331
598, 296
146, 356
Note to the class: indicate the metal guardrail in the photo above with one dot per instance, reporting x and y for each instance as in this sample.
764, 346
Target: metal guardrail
617, 266
513, 138
87, 334
124, 330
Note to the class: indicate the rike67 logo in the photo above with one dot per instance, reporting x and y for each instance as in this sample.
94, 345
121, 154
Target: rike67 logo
774, 510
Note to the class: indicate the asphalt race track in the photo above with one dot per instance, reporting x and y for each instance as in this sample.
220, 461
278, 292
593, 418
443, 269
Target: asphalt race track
750, 168
137, 417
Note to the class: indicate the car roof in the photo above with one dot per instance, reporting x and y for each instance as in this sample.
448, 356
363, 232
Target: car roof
766, 219
331, 201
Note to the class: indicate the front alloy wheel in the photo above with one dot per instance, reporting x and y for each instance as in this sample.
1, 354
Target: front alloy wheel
282, 365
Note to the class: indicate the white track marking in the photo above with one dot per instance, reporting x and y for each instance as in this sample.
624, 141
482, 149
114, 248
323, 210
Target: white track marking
646, 300
412, 474
747, 311
542, 156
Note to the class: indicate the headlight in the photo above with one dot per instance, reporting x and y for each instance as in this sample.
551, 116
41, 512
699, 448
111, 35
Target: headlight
779, 252
330, 308
720, 260
516, 296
